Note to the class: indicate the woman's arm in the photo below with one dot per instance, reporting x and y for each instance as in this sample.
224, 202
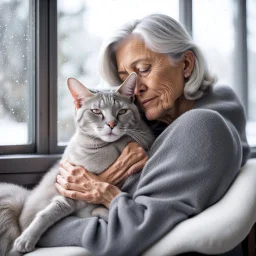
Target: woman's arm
191, 165
131, 161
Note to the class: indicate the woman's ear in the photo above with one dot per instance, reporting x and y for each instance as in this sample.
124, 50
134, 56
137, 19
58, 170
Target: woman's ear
78, 91
188, 63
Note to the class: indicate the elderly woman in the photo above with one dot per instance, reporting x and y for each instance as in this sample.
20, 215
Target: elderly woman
199, 149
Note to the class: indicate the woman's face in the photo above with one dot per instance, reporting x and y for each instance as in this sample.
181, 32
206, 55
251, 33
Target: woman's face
159, 83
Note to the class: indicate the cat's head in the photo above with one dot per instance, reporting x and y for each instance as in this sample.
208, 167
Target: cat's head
105, 115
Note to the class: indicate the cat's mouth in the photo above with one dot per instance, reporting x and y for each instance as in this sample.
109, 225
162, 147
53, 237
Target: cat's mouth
111, 134
108, 134
110, 137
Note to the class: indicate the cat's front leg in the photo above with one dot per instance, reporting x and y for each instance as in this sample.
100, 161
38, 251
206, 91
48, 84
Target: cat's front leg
14, 252
59, 208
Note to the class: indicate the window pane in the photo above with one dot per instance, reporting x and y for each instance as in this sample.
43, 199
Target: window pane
213, 31
251, 26
214, 23
82, 26
15, 71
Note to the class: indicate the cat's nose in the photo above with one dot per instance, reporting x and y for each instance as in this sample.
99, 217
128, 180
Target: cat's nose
111, 124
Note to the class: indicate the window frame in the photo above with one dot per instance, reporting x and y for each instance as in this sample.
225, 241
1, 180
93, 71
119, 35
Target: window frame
34, 159
241, 59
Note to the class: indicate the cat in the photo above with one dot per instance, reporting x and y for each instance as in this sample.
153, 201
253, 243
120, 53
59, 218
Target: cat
105, 123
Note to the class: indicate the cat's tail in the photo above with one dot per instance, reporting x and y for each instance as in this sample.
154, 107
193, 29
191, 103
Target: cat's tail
12, 198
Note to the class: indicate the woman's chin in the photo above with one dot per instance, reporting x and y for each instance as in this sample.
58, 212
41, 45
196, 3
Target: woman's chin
151, 114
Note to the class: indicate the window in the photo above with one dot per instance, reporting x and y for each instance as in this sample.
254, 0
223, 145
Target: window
215, 36
16, 72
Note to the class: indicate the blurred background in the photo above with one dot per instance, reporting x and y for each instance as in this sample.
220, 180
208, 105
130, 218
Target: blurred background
82, 27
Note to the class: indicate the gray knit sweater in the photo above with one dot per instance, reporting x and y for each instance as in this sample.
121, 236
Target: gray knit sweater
192, 164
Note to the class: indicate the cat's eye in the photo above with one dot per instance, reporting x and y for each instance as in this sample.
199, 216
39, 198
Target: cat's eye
96, 111
122, 111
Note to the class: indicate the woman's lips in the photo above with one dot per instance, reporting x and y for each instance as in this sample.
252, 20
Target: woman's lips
146, 102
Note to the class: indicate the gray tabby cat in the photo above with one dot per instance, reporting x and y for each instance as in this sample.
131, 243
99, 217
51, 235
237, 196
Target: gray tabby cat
105, 123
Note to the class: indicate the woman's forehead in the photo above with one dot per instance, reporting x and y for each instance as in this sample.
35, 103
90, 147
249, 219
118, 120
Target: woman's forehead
132, 51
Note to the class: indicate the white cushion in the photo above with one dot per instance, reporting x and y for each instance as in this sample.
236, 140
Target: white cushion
216, 230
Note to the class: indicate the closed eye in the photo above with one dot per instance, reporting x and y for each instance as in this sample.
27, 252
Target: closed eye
144, 70
96, 111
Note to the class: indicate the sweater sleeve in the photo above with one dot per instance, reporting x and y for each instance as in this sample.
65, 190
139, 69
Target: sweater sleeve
191, 165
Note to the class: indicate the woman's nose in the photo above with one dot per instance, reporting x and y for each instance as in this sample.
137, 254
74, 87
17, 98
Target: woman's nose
140, 87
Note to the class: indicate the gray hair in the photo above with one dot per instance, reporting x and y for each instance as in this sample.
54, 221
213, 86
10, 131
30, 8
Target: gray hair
161, 34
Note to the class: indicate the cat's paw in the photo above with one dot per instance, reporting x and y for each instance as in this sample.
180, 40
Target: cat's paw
100, 212
25, 243
14, 252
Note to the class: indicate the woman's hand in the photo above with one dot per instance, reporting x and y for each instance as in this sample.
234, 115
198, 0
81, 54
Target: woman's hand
77, 183
132, 160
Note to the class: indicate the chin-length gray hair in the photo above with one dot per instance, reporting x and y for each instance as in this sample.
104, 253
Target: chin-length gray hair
161, 34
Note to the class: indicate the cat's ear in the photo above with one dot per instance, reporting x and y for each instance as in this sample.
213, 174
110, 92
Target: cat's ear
127, 88
78, 91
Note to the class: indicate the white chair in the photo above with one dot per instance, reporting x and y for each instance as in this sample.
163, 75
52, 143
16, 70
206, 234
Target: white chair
216, 230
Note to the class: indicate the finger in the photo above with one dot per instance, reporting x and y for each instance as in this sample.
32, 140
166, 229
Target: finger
118, 179
135, 156
71, 186
131, 164
73, 194
67, 166
137, 167
64, 160
65, 184
65, 174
